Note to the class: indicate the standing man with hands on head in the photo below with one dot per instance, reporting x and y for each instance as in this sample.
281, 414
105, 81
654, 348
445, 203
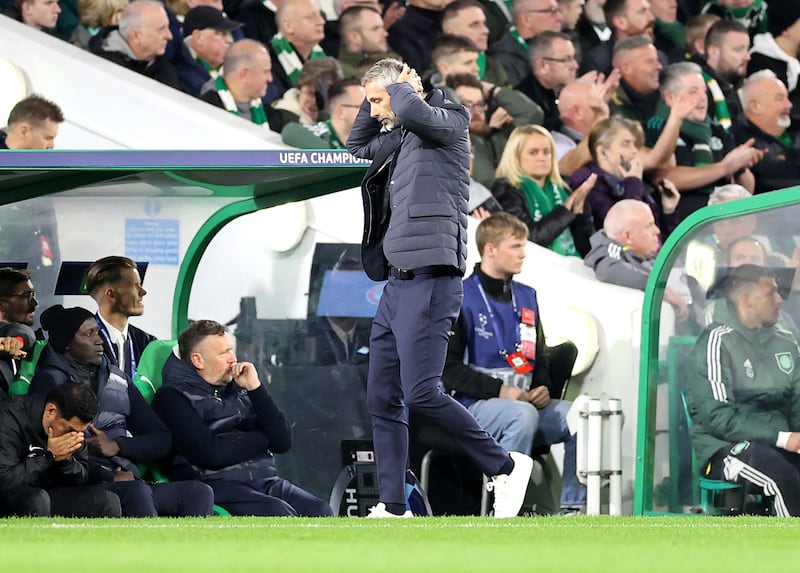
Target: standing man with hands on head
415, 212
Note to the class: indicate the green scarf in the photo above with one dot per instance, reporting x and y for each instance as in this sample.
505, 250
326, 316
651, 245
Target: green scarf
519, 39
696, 134
257, 113
332, 139
288, 58
481, 65
543, 201
212, 71
723, 114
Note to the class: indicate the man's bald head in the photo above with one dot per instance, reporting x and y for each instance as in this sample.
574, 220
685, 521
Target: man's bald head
630, 223
766, 103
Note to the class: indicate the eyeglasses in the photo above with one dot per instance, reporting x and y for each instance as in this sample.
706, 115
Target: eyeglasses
552, 10
470, 106
30, 295
566, 60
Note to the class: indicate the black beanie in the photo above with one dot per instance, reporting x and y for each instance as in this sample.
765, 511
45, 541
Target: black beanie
781, 15
62, 323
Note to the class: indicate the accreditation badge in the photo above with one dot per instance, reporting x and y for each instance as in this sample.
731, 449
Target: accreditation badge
519, 363
527, 333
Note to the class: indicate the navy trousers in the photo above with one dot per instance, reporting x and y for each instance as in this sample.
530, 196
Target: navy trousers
174, 499
408, 345
279, 497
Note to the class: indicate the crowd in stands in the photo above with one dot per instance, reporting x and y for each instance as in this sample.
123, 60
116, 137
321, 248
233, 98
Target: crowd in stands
600, 125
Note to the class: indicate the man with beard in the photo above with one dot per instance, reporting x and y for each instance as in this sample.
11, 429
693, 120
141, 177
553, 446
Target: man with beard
724, 67
489, 128
17, 306
767, 110
362, 36
115, 285
415, 199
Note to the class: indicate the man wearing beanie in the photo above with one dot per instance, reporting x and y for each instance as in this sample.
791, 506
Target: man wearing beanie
125, 431
777, 49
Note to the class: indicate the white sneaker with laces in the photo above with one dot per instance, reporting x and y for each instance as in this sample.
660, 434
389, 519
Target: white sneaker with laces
379, 512
509, 490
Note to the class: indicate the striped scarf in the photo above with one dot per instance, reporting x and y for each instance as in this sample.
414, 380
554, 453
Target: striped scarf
519, 39
722, 114
696, 134
257, 113
289, 59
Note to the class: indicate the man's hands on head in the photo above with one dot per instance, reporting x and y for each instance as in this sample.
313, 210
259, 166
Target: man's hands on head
245, 375
62, 447
411, 77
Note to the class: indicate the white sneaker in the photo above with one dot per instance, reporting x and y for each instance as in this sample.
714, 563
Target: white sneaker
509, 490
379, 512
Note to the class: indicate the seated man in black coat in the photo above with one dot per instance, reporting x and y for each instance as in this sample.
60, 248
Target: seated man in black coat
126, 430
226, 427
43, 466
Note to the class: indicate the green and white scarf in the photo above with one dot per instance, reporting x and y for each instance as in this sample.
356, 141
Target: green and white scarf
288, 58
543, 201
212, 71
722, 113
481, 65
519, 39
696, 134
257, 113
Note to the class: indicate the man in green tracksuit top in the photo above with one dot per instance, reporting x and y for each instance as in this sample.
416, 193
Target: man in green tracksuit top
743, 392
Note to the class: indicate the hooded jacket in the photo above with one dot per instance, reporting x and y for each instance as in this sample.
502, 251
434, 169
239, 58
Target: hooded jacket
615, 264
110, 44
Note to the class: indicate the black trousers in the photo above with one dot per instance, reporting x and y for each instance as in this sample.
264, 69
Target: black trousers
278, 497
775, 472
78, 501
174, 499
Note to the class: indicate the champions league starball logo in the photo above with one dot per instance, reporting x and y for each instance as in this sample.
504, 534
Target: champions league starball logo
480, 329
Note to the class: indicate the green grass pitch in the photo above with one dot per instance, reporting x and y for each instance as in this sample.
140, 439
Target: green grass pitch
444, 545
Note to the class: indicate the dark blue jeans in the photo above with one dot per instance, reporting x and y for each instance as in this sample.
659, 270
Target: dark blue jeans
407, 353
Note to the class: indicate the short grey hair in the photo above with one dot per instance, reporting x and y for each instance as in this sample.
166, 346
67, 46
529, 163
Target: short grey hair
385, 72
131, 17
728, 192
749, 88
631, 43
672, 76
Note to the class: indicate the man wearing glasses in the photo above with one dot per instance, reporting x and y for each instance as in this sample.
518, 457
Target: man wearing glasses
529, 19
17, 307
552, 66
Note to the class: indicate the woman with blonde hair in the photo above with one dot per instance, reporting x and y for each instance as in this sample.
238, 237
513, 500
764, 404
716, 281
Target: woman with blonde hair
95, 15
529, 186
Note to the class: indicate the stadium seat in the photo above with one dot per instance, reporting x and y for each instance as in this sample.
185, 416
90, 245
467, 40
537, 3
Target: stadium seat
148, 372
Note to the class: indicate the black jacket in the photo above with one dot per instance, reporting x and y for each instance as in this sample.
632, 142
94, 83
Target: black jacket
22, 449
546, 98
7, 367
138, 337
159, 69
220, 432
149, 439
552, 224
780, 166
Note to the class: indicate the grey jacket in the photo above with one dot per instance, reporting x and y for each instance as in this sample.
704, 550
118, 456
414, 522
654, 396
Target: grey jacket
615, 264
424, 165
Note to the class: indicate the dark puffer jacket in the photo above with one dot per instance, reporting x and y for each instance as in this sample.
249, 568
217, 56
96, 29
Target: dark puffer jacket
425, 220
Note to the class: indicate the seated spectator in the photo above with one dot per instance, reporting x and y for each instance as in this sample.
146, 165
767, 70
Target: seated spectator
16, 335
115, 285
724, 67
571, 13
32, 124
344, 100
39, 14
176, 13
697, 28
363, 35
668, 31
752, 14
490, 127
768, 122
306, 102
530, 187
451, 55
706, 155
43, 460
139, 42
552, 66
591, 28
94, 16
125, 431
390, 11
581, 105
623, 251
226, 427
777, 47
529, 18
16, 340
614, 145
207, 35
740, 392
467, 18
637, 60
300, 30
503, 372
246, 74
